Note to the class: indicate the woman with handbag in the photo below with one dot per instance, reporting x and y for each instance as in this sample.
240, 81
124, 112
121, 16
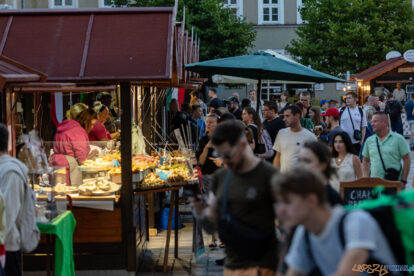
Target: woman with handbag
262, 146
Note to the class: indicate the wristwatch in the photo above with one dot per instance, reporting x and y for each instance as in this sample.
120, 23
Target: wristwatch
404, 181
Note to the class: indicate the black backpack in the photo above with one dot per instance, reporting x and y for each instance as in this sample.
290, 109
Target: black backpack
384, 216
393, 109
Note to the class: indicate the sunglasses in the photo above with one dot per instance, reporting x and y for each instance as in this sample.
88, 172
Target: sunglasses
228, 155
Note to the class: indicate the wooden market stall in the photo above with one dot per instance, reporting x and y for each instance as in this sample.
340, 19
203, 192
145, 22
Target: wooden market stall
393, 70
132, 50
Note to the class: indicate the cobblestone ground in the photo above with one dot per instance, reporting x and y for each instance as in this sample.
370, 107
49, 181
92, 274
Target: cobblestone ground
186, 263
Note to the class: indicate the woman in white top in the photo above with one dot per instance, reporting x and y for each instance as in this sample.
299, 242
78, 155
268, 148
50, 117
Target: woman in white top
345, 159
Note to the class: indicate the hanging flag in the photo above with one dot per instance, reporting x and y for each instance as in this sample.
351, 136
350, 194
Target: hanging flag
56, 108
180, 97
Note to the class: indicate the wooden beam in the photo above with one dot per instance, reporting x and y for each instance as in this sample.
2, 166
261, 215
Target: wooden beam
128, 230
5, 34
86, 46
81, 89
42, 76
20, 77
40, 84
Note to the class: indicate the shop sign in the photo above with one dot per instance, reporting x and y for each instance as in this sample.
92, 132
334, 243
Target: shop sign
409, 55
392, 54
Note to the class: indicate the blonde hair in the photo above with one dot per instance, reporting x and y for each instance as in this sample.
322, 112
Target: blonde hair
76, 109
369, 114
98, 107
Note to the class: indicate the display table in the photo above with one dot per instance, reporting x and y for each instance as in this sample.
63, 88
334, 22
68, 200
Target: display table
93, 202
174, 200
62, 227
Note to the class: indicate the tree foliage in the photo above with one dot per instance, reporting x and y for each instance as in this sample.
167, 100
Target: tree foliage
221, 33
342, 35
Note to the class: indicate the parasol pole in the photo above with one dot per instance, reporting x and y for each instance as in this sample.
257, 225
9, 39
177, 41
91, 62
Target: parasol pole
258, 94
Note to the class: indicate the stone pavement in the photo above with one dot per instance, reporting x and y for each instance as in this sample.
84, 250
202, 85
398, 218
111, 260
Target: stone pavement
411, 174
186, 263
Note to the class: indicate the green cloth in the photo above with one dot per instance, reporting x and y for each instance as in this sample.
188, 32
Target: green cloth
63, 227
307, 123
403, 216
393, 148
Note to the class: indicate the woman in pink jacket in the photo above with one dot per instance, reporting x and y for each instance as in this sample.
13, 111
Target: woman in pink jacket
99, 132
71, 145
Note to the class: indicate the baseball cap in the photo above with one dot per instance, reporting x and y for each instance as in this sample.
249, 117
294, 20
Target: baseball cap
323, 102
331, 112
232, 99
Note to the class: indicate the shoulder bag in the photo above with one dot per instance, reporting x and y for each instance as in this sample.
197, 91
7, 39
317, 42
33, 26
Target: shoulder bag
243, 238
391, 173
357, 132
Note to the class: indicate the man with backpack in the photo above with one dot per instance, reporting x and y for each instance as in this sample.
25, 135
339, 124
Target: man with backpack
272, 122
240, 205
353, 120
22, 233
384, 151
394, 109
328, 240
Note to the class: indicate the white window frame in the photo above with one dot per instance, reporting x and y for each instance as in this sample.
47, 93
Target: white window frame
318, 86
280, 8
238, 6
14, 4
52, 5
102, 4
299, 4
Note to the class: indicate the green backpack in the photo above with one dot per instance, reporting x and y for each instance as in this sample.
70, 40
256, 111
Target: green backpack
395, 215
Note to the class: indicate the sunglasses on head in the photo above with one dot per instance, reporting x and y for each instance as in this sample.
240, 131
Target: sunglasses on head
103, 107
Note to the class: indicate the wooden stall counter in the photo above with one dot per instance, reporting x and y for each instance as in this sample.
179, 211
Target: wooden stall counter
97, 239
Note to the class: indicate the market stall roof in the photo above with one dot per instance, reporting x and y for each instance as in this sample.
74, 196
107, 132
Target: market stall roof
91, 45
73, 89
13, 71
379, 69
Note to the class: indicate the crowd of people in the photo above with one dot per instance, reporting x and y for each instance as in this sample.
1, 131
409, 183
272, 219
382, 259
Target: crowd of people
282, 161
280, 128
287, 164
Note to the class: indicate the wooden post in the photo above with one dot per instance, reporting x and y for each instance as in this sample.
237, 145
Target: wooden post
36, 106
176, 203
128, 230
10, 111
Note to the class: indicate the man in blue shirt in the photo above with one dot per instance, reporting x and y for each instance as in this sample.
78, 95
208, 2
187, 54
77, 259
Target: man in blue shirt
409, 106
198, 121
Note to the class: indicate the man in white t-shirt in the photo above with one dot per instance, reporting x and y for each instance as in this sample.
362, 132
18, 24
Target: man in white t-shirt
399, 93
289, 140
318, 241
353, 119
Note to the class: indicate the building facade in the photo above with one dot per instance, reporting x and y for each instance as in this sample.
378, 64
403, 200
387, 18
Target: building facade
276, 22
55, 4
